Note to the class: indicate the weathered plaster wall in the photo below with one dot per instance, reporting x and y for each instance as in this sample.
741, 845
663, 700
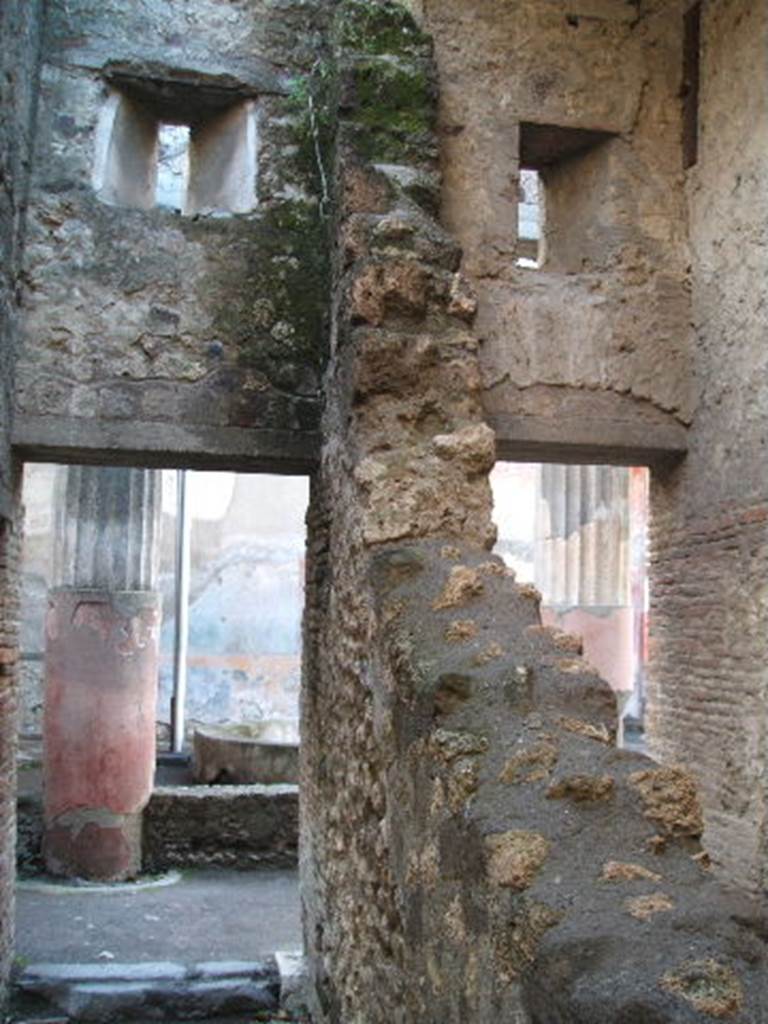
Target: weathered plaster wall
600, 333
246, 598
150, 331
709, 611
474, 848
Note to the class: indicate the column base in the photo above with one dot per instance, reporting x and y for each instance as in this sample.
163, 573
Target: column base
94, 844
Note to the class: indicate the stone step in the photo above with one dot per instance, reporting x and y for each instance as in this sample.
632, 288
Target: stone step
164, 991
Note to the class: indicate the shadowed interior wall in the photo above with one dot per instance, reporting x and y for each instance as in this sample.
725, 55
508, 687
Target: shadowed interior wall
709, 528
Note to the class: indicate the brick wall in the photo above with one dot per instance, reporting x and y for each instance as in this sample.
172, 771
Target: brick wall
707, 695
10, 549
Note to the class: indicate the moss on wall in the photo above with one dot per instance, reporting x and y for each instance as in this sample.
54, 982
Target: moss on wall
377, 28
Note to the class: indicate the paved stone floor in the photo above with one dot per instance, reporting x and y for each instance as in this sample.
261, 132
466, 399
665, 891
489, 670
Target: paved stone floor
207, 915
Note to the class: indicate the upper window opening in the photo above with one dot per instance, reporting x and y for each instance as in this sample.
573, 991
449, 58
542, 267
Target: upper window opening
530, 217
172, 165
202, 163
544, 150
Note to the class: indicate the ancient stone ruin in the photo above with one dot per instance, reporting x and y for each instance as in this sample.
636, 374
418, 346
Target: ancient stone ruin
342, 284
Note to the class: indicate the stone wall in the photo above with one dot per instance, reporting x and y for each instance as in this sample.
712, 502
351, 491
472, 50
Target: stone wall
185, 338
709, 611
241, 827
596, 342
474, 848
20, 30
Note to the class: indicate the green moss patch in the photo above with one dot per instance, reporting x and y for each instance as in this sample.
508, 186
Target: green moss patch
380, 28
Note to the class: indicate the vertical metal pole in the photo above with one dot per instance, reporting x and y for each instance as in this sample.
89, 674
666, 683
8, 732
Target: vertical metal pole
181, 633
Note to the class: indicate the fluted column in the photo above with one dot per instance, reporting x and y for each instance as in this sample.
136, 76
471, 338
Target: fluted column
583, 561
102, 634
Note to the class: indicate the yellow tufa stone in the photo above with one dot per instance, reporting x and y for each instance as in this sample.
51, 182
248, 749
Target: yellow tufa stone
460, 631
495, 569
463, 584
657, 844
560, 639
462, 301
448, 744
601, 733
582, 789
491, 653
620, 871
643, 908
517, 945
708, 986
531, 765
450, 552
515, 857
702, 860
474, 446
669, 800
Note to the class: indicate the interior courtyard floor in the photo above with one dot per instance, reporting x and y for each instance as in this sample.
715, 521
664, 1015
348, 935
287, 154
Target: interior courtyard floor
213, 914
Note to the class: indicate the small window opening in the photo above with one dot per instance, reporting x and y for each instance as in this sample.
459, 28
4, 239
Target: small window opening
690, 90
530, 220
549, 193
198, 162
172, 166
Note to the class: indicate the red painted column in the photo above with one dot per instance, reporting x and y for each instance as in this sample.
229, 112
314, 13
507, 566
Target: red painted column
99, 727
102, 634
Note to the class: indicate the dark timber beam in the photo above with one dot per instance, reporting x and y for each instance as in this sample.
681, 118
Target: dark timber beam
575, 439
65, 439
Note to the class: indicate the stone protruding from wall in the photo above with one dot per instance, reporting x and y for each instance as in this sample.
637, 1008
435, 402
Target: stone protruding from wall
474, 848
102, 632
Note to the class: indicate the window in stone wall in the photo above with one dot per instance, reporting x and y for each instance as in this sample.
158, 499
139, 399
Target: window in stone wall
172, 166
196, 160
557, 193
530, 220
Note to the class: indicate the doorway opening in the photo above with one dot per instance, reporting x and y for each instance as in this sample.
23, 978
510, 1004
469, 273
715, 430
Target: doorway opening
217, 882
579, 535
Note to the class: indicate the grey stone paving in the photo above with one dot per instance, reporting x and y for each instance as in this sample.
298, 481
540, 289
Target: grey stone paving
207, 915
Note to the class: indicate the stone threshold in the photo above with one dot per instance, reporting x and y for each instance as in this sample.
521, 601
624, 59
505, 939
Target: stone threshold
162, 991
